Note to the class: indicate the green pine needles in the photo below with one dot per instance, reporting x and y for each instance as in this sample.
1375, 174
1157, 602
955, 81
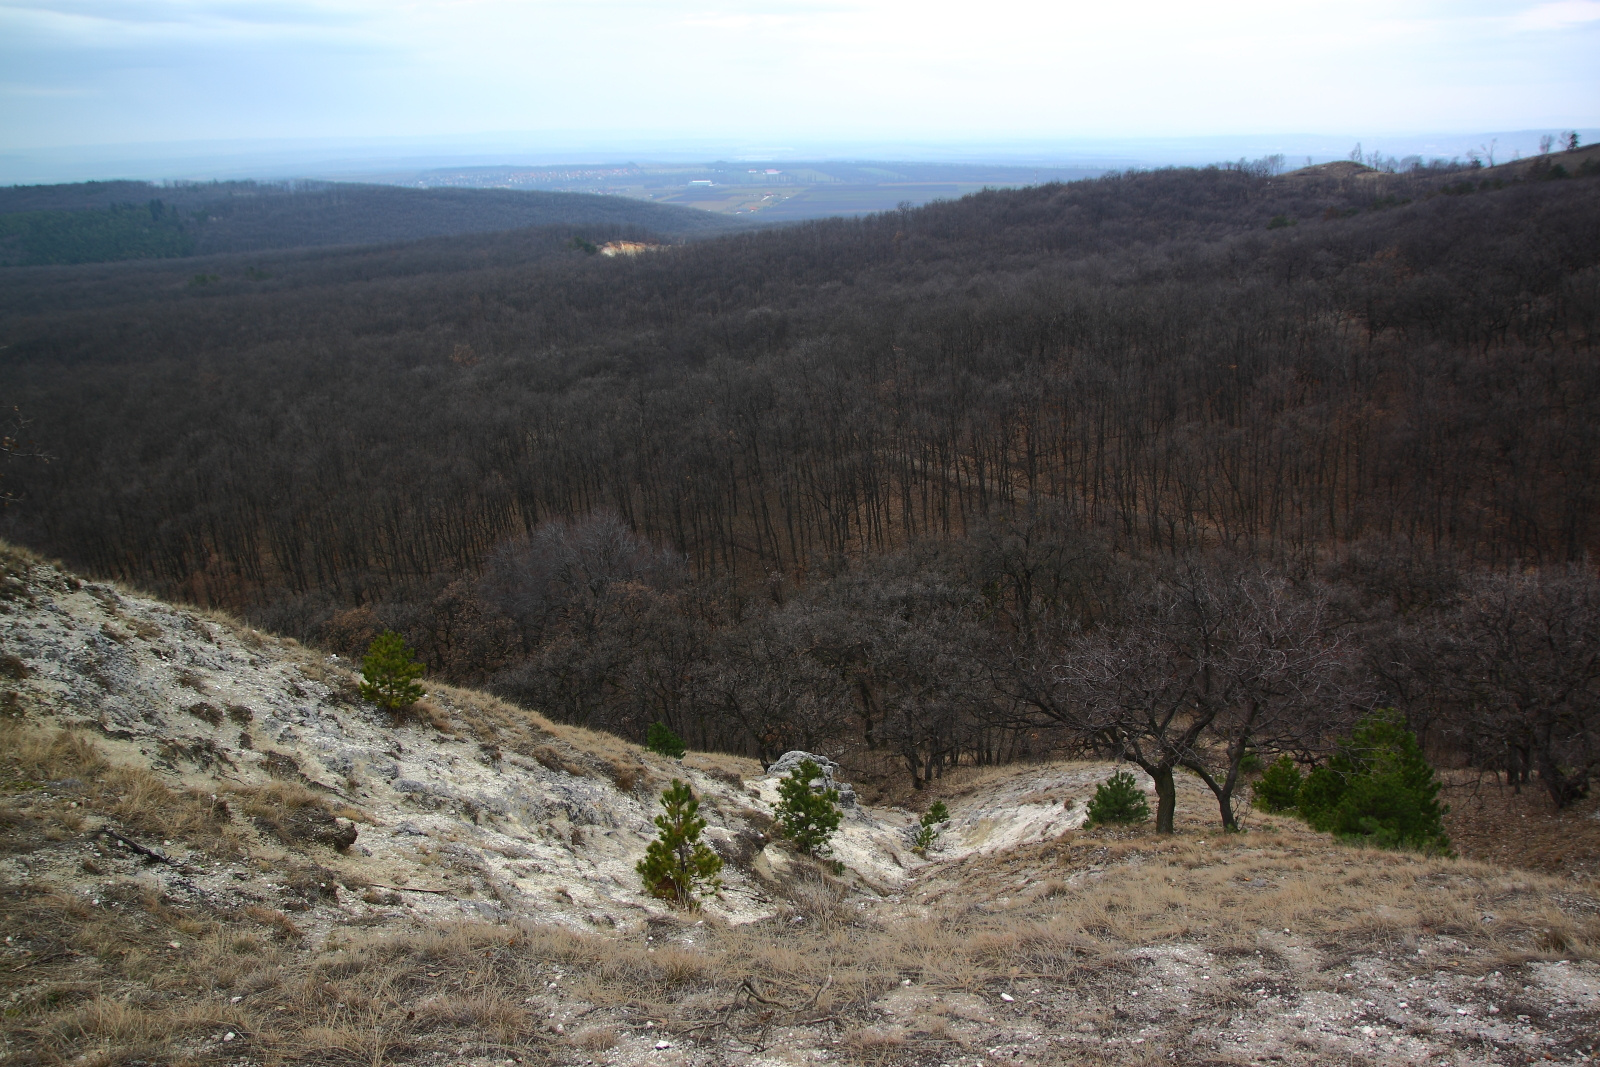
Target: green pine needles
1378, 789
931, 827
807, 817
389, 674
678, 865
662, 740
1118, 800
1279, 787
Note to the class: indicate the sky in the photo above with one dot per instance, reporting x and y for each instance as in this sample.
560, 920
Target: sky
771, 74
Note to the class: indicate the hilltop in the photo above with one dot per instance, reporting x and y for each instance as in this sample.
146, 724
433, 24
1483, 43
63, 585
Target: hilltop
214, 852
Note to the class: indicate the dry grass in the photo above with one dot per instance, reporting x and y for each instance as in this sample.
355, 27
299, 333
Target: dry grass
104, 987
135, 797
295, 815
733, 770
572, 750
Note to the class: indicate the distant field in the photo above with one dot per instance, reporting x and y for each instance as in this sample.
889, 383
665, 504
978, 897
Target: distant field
865, 199
777, 191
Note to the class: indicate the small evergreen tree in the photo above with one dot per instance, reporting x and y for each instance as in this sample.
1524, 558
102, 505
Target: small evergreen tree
932, 820
661, 739
807, 817
678, 865
389, 674
1279, 787
1378, 789
1118, 799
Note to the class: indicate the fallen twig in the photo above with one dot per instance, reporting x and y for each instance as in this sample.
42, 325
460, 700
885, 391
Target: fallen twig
134, 846
749, 988
409, 888
826, 982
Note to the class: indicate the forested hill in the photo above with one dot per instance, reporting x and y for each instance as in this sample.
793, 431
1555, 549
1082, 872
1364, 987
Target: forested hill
108, 221
862, 471
1164, 350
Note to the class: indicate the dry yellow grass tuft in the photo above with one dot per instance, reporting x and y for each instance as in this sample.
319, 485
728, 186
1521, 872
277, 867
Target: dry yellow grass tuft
295, 815
133, 796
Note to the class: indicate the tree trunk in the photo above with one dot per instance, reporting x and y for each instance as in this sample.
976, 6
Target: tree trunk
1225, 802
1166, 798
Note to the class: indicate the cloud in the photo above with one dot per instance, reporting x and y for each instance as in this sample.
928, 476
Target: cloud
1559, 15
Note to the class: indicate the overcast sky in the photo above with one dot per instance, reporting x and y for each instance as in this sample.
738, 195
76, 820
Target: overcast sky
81, 72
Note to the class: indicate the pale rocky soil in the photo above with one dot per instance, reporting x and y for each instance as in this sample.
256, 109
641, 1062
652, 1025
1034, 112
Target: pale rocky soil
488, 911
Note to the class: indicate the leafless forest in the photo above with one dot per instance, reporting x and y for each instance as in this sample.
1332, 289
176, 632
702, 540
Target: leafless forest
1181, 465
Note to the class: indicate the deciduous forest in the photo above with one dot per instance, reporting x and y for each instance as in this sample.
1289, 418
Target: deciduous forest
102, 222
1184, 466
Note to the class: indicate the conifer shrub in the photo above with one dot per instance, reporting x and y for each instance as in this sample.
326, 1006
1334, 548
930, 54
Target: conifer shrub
663, 740
1279, 788
389, 673
806, 816
677, 865
1118, 800
1378, 789
930, 829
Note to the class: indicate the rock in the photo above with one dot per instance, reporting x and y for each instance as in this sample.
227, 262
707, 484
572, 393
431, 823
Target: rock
787, 762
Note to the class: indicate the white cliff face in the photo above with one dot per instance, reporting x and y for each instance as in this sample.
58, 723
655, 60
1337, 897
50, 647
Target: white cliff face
500, 814
486, 811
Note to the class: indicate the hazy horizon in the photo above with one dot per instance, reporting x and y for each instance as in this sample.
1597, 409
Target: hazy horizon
214, 88
381, 159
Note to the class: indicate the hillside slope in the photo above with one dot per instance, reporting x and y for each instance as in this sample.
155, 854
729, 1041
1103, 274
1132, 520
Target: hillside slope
108, 221
179, 883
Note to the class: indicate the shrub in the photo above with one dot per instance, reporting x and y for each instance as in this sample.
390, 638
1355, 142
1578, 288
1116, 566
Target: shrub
1279, 787
662, 740
1118, 799
807, 817
932, 819
389, 673
1378, 790
678, 865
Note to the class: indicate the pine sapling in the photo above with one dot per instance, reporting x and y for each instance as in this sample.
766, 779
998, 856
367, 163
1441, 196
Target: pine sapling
678, 865
389, 673
1118, 800
1378, 789
932, 824
663, 740
807, 817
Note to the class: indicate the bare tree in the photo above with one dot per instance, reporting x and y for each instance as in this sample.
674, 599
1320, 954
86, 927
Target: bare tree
1523, 654
1213, 663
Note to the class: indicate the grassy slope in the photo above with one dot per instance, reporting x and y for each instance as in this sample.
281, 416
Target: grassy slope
1098, 946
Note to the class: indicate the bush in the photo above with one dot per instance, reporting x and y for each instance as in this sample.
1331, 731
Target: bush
932, 819
1118, 800
1279, 787
389, 673
1377, 790
661, 740
807, 817
678, 865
